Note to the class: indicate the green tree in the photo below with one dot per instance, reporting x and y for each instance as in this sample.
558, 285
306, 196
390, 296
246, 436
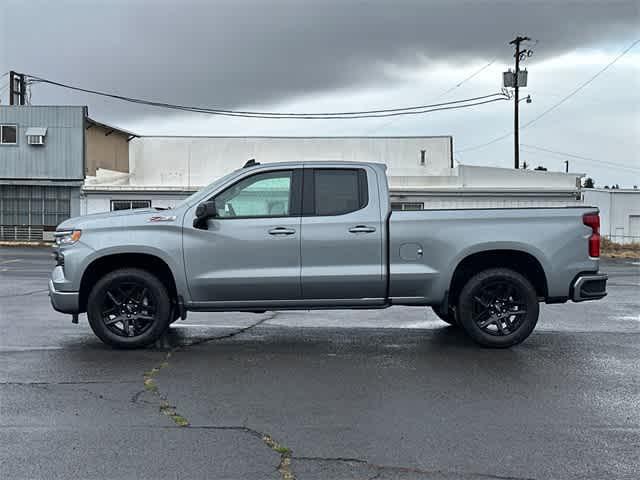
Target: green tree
589, 183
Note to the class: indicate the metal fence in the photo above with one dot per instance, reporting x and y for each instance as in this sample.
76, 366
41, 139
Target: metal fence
21, 233
623, 239
26, 211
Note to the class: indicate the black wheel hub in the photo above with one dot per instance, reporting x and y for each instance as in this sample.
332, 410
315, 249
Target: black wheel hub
499, 307
128, 310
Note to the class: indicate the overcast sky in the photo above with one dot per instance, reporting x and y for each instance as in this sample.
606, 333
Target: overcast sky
323, 55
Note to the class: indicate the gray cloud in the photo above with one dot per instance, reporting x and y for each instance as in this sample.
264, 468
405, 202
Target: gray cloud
233, 53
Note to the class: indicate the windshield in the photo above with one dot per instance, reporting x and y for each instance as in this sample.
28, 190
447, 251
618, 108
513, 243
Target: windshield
216, 183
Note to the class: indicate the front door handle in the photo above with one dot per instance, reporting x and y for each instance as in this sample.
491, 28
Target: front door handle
362, 229
281, 231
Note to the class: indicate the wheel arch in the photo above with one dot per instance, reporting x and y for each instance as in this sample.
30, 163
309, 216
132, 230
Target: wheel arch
518, 260
114, 261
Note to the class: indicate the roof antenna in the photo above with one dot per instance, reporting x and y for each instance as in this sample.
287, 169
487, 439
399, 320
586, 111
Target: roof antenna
251, 163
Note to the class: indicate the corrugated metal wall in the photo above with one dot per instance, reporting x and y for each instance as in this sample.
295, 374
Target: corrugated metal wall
62, 155
619, 210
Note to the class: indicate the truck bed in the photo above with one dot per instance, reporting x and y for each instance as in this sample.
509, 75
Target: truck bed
551, 235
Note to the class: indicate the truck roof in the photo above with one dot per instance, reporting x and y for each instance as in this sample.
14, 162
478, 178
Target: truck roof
321, 163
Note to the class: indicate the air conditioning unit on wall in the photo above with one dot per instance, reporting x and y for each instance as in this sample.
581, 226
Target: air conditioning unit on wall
35, 135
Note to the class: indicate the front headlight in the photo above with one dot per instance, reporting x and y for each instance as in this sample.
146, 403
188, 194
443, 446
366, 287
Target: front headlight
67, 237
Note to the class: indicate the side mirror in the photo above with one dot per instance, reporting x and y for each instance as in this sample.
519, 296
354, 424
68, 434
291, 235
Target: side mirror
204, 211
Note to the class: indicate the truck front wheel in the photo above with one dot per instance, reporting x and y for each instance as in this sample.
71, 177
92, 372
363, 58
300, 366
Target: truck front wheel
129, 308
498, 308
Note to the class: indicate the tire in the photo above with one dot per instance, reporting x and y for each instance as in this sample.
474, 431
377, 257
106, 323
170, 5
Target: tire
129, 308
449, 317
498, 308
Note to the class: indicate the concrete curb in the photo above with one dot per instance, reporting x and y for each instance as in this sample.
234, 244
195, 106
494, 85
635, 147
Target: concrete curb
25, 244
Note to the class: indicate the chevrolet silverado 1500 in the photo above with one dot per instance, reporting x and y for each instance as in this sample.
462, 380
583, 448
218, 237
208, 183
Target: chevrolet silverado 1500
321, 235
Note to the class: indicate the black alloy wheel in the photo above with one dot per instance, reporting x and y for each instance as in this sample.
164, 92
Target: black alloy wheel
498, 307
129, 308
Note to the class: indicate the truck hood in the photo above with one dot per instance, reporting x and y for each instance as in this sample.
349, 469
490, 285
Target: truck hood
118, 218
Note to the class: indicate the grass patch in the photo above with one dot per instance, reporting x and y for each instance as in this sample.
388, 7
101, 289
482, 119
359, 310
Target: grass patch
150, 385
283, 450
619, 250
170, 411
179, 420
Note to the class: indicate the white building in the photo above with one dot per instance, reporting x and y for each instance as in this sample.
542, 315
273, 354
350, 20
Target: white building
164, 170
619, 212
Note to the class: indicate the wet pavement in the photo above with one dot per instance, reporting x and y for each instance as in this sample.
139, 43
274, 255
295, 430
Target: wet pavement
386, 394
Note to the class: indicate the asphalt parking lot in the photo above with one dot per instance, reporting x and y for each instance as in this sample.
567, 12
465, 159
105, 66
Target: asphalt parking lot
389, 394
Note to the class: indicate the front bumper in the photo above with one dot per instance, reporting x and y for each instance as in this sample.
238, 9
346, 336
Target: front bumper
65, 302
589, 287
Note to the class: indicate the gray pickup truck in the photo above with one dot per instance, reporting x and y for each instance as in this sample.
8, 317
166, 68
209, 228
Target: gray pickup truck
321, 235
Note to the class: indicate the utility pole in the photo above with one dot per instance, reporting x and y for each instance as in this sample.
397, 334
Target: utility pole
566, 166
12, 75
519, 55
17, 88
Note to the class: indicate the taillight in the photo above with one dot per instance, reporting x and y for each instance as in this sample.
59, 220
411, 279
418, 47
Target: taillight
592, 220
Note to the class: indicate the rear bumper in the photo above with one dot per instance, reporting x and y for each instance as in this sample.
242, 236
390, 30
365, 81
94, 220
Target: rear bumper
65, 302
589, 287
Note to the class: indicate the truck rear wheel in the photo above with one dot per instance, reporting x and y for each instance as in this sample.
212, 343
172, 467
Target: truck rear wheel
448, 317
129, 308
498, 308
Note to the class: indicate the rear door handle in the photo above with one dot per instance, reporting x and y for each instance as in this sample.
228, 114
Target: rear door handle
362, 229
281, 231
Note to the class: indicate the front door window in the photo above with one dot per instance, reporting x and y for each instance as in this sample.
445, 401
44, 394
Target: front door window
259, 196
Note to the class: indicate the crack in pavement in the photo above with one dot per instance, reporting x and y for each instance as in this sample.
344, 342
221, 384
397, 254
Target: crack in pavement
287, 459
82, 382
25, 293
151, 386
380, 469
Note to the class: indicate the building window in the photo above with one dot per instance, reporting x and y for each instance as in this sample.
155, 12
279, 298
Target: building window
407, 206
8, 134
129, 204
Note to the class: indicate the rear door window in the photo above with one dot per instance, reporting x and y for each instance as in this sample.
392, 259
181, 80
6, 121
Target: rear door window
335, 191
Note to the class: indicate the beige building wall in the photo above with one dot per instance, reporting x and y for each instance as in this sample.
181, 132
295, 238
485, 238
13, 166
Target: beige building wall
106, 148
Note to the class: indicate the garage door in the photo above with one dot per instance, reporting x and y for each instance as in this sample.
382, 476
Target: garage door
26, 211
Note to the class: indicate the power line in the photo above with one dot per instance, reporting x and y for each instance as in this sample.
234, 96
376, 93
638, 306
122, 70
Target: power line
443, 94
474, 74
581, 86
580, 157
343, 117
557, 104
412, 110
486, 144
